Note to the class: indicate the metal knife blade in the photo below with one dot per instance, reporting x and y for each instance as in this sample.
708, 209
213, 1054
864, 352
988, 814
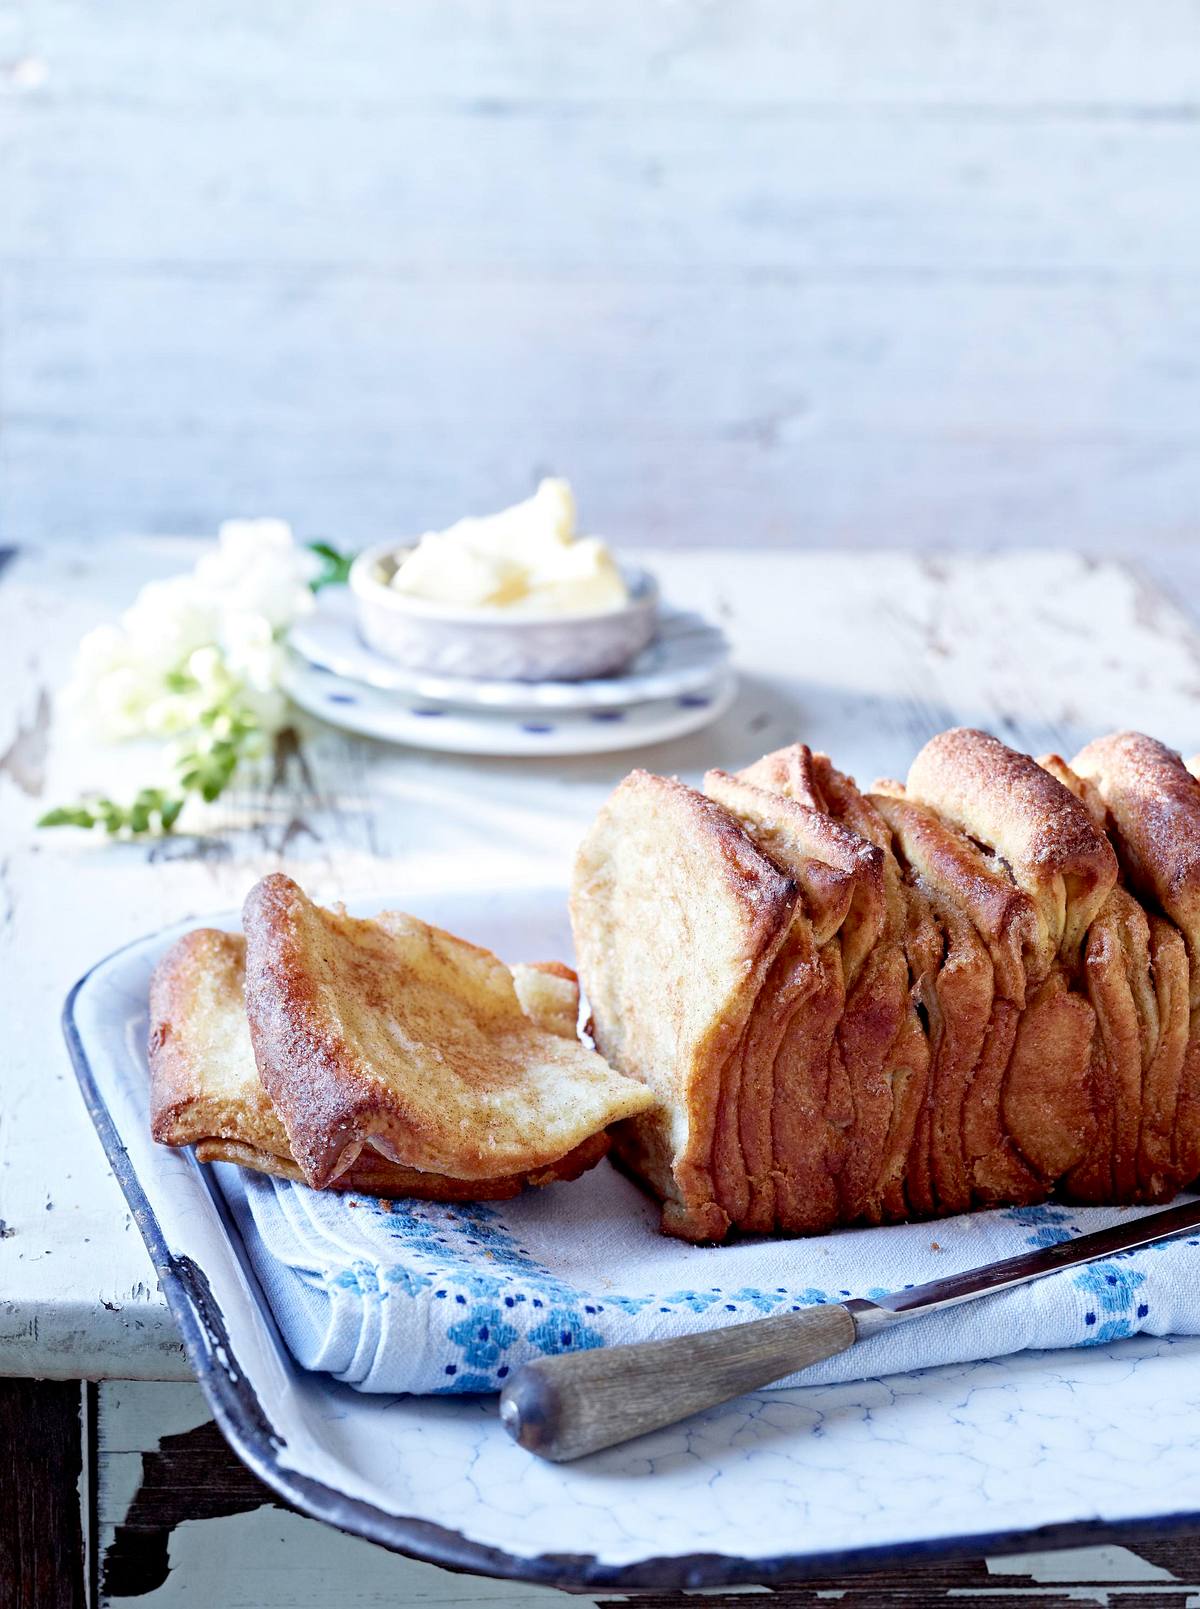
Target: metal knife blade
872, 1316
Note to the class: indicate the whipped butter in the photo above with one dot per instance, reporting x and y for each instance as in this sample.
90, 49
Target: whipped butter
526, 559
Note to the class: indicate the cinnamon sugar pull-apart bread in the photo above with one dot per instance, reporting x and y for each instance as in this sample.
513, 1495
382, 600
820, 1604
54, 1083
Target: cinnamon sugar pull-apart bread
980, 987
385, 1056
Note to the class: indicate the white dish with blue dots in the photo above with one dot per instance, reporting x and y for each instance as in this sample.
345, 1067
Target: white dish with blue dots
426, 723
687, 655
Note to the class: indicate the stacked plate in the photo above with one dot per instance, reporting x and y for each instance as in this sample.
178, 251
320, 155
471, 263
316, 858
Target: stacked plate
680, 683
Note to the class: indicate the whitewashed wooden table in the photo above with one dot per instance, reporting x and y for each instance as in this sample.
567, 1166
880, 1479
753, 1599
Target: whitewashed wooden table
866, 655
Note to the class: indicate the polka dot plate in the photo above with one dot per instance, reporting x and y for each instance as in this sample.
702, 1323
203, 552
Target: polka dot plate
426, 723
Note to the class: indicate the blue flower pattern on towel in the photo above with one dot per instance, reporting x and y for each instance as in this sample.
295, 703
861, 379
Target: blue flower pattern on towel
1114, 1309
502, 1306
1051, 1225
360, 1277
1113, 1300
483, 1335
562, 1330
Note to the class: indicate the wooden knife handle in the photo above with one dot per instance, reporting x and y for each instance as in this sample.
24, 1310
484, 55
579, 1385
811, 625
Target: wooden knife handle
563, 1407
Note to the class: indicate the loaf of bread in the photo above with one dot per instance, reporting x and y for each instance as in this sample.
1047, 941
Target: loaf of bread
980, 987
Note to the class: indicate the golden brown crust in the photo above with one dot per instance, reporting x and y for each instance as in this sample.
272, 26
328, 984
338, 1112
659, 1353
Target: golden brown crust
909, 1069
205, 1089
785, 1125
1153, 803
397, 1034
995, 1021
839, 872
1084, 790
888, 1095
1159, 1172
373, 1175
1020, 813
1046, 1102
678, 919
961, 877
203, 1081
869, 1028
788, 771
878, 1070
960, 1010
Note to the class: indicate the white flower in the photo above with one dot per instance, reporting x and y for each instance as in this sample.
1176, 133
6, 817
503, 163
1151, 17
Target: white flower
199, 658
120, 699
258, 569
219, 628
268, 706
100, 651
252, 650
172, 713
167, 621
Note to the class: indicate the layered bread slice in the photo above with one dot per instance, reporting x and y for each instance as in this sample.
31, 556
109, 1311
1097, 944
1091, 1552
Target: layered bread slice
205, 1090
1025, 817
881, 1058
678, 919
794, 1111
394, 1035
957, 993
1152, 805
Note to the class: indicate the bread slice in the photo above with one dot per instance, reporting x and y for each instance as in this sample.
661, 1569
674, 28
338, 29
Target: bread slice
678, 919
960, 877
393, 1033
1153, 804
983, 922
1153, 809
793, 1111
882, 1054
1023, 815
205, 1089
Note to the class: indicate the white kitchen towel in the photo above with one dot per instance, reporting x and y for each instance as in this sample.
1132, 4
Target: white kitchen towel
420, 1296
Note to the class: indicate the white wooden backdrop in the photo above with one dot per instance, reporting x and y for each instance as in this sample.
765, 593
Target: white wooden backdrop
761, 271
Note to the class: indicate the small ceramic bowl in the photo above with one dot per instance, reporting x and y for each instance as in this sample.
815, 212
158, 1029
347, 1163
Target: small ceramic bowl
494, 642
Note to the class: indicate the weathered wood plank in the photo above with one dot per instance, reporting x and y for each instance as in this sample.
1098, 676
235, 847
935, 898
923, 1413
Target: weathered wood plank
919, 276
650, 192
395, 235
1102, 56
42, 1442
799, 414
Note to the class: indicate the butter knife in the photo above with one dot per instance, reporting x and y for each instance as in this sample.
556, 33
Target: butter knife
563, 1407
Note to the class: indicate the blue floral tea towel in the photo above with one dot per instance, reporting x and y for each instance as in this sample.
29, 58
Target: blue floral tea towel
420, 1296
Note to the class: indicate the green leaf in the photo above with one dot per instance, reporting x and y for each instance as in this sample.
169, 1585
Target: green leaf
335, 566
169, 814
67, 816
226, 732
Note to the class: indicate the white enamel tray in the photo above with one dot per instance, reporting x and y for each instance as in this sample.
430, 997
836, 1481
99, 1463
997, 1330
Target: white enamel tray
1032, 1451
687, 653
